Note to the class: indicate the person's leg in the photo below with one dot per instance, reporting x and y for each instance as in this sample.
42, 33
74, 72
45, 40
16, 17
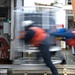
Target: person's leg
44, 49
61, 56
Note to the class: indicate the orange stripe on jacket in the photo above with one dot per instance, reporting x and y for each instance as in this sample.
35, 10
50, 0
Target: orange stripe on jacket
39, 36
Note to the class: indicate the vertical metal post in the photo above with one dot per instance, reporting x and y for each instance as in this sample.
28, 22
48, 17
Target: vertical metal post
45, 73
65, 74
12, 30
9, 72
73, 50
14, 4
25, 73
12, 19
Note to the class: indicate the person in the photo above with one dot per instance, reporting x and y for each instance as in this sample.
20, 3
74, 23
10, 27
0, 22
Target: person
39, 38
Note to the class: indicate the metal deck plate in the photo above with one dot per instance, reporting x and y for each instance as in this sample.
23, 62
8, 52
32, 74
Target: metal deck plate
34, 49
34, 62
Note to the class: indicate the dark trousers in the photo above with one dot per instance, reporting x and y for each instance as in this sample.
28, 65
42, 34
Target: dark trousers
44, 49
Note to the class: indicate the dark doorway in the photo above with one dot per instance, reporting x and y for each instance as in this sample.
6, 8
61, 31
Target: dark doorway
70, 22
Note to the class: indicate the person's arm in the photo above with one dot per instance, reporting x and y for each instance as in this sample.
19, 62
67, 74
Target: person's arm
22, 35
29, 35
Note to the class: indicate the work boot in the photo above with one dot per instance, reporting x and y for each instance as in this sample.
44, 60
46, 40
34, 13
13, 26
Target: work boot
63, 62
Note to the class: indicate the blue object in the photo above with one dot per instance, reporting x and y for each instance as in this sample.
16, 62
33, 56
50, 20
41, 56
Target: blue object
61, 30
63, 33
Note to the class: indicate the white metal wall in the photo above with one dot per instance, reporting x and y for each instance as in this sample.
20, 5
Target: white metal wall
14, 4
45, 22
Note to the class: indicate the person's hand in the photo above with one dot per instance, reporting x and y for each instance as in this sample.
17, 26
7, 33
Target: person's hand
22, 35
59, 38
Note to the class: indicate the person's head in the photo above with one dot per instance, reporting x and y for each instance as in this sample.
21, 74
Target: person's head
28, 23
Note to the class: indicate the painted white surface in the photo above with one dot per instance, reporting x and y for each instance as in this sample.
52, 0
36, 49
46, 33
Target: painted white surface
61, 1
67, 7
60, 16
31, 2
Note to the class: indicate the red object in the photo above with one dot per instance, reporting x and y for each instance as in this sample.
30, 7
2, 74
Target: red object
4, 49
62, 25
70, 42
39, 36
